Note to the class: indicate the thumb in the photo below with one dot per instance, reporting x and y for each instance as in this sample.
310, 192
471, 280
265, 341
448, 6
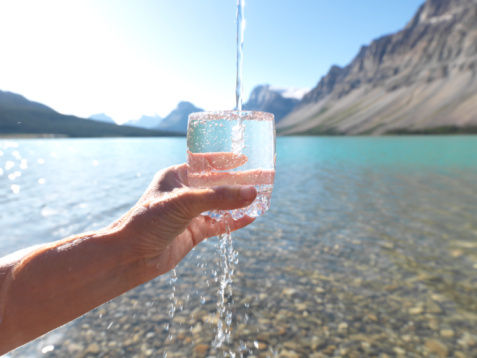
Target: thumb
218, 198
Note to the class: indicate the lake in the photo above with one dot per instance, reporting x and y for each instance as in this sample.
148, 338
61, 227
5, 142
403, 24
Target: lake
369, 248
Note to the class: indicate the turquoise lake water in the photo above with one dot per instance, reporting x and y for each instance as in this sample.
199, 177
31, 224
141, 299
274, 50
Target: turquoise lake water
369, 248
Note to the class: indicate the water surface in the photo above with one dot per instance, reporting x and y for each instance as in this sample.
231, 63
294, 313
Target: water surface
369, 248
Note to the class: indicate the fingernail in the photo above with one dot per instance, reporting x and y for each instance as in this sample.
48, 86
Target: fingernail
247, 192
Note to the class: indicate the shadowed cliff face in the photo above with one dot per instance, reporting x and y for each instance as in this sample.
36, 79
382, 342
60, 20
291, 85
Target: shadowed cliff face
419, 78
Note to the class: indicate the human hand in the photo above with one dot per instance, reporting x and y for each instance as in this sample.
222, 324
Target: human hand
165, 224
83, 271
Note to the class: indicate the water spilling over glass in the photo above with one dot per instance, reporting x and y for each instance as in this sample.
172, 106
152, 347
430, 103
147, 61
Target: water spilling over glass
233, 148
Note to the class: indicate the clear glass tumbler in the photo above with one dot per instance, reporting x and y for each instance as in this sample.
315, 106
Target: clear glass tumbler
233, 148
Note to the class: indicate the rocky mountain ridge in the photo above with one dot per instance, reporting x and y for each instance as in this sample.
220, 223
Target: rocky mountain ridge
422, 78
176, 121
274, 100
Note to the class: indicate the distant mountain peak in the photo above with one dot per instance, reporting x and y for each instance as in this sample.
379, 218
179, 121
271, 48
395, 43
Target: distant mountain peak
436, 11
176, 121
185, 104
277, 100
102, 117
145, 121
290, 92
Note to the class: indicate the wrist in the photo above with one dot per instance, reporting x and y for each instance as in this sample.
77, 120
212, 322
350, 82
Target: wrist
117, 243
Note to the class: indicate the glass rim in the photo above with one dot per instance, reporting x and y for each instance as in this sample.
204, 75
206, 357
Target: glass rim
232, 115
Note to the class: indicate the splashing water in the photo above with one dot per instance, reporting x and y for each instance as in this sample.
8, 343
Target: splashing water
238, 131
228, 260
228, 257
172, 307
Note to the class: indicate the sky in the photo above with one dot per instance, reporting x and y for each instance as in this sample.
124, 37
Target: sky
131, 58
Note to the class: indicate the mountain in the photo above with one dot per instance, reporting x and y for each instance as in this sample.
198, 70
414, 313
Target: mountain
145, 122
14, 101
102, 117
279, 101
422, 79
176, 121
20, 116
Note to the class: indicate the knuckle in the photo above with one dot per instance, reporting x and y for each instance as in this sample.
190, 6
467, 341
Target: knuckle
222, 194
190, 202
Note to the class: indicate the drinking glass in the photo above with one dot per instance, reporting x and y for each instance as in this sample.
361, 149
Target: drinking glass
233, 148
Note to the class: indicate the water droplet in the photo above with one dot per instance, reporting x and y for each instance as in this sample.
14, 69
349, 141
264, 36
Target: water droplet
9, 165
46, 211
41, 181
14, 175
15, 188
48, 348
10, 144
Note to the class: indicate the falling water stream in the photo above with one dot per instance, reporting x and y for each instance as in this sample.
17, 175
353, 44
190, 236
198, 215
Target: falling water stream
240, 31
239, 129
172, 308
228, 260
228, 256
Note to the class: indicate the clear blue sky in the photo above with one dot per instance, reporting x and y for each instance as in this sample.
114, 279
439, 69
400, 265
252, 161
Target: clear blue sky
128, 58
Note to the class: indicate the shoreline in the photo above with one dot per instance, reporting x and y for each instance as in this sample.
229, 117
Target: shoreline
31, 136
389, 134
433, 131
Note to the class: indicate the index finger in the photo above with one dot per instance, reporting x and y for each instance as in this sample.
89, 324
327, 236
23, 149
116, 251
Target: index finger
199, 162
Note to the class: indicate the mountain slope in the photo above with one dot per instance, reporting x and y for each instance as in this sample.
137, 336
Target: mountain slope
421, 79
102, 117
145, 122
15, 101
176, 121
268, 99
21, 116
